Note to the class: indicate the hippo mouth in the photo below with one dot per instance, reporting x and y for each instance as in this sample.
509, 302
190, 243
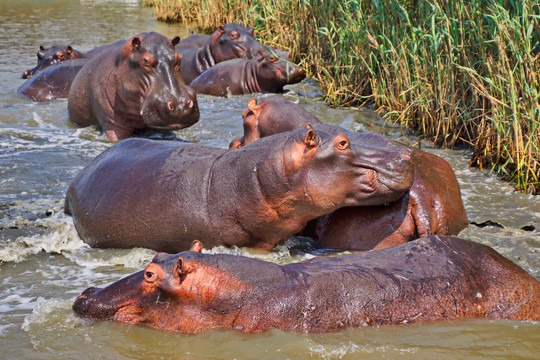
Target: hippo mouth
88, 306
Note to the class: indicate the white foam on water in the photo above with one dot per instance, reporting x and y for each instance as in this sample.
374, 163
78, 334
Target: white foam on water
344, 349
62, 237
52, 314
16, 302
41, 123
134, 258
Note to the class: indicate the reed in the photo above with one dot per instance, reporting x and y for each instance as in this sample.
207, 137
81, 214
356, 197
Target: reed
452, 71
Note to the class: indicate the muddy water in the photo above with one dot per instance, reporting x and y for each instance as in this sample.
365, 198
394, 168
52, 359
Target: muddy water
44, 265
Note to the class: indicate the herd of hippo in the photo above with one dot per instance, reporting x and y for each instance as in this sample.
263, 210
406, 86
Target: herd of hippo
290, 174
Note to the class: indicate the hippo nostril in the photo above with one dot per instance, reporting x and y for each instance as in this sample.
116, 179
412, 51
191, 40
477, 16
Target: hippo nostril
171, 105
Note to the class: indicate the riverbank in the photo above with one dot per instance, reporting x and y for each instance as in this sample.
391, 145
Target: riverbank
452, 72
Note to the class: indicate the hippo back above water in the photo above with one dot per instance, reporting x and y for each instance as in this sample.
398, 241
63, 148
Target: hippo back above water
134, 86
52, 83
240, 76
430, 279
163, 194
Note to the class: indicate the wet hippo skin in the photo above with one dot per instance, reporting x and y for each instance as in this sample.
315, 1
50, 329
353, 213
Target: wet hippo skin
240, 76
230, 41
433, 204
133, 87
429, 279
163, 194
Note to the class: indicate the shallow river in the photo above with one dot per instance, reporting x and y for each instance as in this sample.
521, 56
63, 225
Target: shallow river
44, 265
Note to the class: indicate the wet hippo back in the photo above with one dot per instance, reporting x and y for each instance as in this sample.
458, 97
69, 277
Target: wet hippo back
52, 83
162, 195
429, 279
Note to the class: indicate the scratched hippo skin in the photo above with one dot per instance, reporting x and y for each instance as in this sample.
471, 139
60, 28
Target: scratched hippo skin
429, 279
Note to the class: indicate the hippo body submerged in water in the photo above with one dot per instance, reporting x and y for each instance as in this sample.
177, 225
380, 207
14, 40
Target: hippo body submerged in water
133, 87
53, 82
433, 204
163, 194
429, 279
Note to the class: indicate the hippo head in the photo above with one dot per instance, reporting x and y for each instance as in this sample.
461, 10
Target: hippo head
151, 83
165, 295
333, 172
233, 41
273, 74
51, 56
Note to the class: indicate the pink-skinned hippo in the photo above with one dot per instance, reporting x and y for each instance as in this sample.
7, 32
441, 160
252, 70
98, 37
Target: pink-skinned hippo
433, 204
51, 56
230, 41
436, 278
163, 194
53, 82
132, 87
240, 76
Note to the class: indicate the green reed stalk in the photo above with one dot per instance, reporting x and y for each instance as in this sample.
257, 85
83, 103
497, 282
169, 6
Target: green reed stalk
453, 71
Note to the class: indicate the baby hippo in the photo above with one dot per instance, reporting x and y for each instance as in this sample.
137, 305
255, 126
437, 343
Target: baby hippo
429, 279
241, 76
163, 194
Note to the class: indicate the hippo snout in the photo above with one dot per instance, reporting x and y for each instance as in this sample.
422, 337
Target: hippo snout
397, 173
296, 74
86, 305
171, 110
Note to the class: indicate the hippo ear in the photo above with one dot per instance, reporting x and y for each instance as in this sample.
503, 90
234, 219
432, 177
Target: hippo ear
311, 139
254, 107
69, 49
175, 41
250, 32
136, 43
196, 246
182, 267
216, 35
41, 47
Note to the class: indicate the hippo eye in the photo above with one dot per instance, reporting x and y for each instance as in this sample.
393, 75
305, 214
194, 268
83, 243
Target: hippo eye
343, 144
149, 276
148, 60
234, 35
60, 55
272, 58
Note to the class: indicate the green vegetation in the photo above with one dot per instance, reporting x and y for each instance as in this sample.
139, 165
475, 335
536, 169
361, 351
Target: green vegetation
453, 71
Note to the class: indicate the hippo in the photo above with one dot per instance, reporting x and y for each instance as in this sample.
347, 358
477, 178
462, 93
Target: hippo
133, 87
230, 41
52, 83
163, 194
436, 278
240, 76
51, 56
194, 41
433, 204
197, 41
